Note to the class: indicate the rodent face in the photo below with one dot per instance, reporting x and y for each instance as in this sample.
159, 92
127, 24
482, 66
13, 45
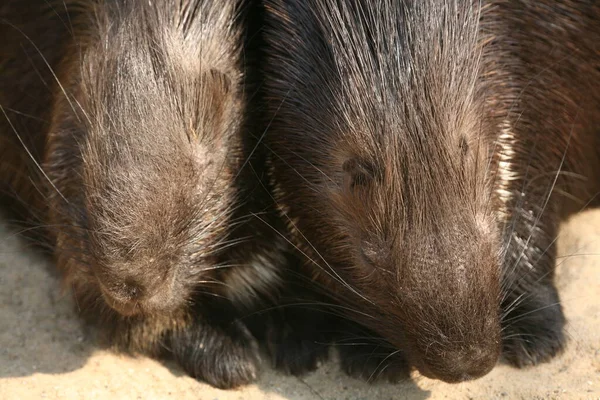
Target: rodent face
425, 251
154, 225
387, 188
142, 152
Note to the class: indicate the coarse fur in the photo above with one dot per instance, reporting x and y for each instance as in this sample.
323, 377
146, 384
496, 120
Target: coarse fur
423, 154
123, 135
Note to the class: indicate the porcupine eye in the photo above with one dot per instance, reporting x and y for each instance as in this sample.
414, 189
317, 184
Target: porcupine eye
374, 254
369, 254
358, 173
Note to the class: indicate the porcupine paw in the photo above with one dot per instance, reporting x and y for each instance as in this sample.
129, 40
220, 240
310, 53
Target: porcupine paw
534, 330
224, 356
373, 362
296, 348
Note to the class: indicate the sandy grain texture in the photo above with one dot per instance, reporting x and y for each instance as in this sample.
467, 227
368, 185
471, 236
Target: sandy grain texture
46, 353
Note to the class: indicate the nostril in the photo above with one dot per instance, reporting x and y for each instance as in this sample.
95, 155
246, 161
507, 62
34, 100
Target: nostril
131, 291
464, 378
472, 364
462, 365
131, 294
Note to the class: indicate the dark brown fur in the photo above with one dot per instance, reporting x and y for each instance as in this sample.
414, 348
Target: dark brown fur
421, 153
122, 134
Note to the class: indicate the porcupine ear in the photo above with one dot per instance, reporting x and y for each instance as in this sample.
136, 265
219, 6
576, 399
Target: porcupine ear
221, 79
359, 174
209, 100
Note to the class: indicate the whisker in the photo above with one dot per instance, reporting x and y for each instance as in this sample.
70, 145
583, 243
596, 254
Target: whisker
382, 361
31, 155
335, 275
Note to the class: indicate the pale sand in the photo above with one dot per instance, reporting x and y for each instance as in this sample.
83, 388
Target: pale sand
44, 352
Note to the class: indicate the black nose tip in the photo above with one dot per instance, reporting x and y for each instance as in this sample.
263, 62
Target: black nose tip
129, 296
130, 291
124, 297
464, 365
472, 364
123, 291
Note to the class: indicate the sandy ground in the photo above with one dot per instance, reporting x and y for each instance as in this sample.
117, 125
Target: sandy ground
45, 352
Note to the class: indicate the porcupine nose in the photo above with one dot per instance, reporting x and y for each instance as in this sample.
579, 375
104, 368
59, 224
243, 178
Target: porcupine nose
465, 365
132, 295
131, 290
